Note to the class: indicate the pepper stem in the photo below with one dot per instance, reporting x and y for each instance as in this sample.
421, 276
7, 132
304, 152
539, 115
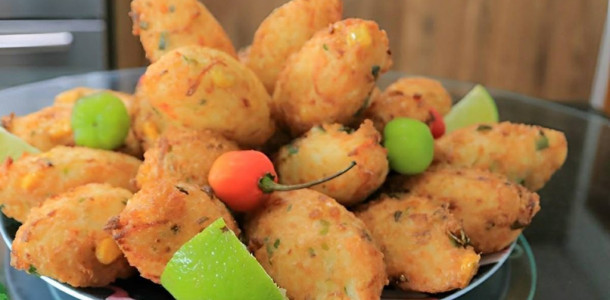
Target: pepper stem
268, 185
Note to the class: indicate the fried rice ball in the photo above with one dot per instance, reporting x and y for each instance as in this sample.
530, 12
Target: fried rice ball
492, 209
423, 244
164, 25
50, 126
330, 79
65, 239
26, 183
314, 248
410, 98
327, 149
526, 154
285, 31
184, 154
160, 218
202, 88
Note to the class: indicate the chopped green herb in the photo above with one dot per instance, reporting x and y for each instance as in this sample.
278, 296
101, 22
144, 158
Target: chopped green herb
517, 225
375, 71
325, 227
203, 102
364, 105
289, 208
65, 171
81, 200
521, 181
143, 25
325, 247
394, 195
189, 60
124, 201
292, 149
182, 190
32, 270
312, 253
172, 8
325, 47
346, 129
397, 215
163, 40
484, 127
459, 241
542, 143
276, 243
269, 249
1, 206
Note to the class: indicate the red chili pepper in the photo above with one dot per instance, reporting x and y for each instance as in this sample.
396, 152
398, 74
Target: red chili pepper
242, 179
436, 124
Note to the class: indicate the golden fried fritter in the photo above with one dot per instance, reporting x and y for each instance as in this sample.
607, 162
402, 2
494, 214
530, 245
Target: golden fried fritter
492, 209
285, 31
183, 154
50, 126
526, 154
65, 239
164, 25
424, 246
26, 183
327, 149
410, 98
160, 218
202, 88
331, 78
314, 248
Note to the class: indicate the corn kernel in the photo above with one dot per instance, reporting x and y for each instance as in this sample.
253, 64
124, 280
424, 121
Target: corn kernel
107, 251
359, 35
30, 180
150, 130
221, 79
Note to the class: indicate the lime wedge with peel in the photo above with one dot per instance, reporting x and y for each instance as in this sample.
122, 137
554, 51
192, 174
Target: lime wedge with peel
12, 146
476, 107
216, 265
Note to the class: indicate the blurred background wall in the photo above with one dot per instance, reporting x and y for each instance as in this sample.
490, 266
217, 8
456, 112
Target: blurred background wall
542, 48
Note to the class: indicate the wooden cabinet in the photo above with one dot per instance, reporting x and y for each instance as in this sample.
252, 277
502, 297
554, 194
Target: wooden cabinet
543, 48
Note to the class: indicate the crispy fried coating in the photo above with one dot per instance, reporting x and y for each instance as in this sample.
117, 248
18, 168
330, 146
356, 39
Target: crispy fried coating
327, 149
314, 248
285, 31
160, 218
61, 238
526, 154
423, 245
164, 25
411, 98
26, 183
184, 154
493, 210
202, 88
50, 126
330, 79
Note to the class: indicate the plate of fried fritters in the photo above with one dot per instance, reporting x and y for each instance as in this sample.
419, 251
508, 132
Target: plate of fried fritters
310, 92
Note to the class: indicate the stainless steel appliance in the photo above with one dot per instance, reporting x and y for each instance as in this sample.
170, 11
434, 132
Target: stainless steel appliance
42, 39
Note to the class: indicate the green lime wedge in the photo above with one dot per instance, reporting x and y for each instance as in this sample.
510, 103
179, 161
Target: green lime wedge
12, 146
216, 265
476, 107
